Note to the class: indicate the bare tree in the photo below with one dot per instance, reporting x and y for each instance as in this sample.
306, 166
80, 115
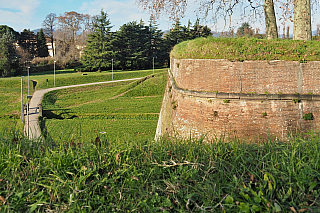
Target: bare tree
71, 22
221, 8
71, 34
49, 24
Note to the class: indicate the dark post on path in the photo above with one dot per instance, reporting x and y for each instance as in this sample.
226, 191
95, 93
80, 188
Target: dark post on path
34, 84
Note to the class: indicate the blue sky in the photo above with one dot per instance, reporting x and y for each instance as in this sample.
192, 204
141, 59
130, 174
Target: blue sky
29, 14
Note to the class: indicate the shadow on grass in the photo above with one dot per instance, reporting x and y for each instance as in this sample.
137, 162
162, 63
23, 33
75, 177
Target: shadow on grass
58, 114
51, 72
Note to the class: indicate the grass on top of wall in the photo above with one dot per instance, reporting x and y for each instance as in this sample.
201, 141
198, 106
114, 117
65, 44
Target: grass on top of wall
240, 49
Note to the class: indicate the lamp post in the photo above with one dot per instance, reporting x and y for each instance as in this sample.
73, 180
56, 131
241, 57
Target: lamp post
27, 117
22, 114
28, 79
28, 97
112, 69
54, 73
153, 64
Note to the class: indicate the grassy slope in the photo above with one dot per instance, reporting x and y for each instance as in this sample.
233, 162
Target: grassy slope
99, 108
239, 49
10, 89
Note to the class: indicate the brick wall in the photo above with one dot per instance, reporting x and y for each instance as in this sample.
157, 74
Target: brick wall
245, 116
248, 76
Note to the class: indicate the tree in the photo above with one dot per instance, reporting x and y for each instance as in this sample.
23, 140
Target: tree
4, 29
42, 49
98, 54
270, 19
156, 49
136, 45
72, 22
176, 35
199, 30
302, 20
49, 23
129, 45
9, 61
28, 41
180, 33
245, 30
69, 34
222, 8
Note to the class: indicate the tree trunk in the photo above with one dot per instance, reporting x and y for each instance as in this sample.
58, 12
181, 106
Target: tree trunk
270, 19
302, 20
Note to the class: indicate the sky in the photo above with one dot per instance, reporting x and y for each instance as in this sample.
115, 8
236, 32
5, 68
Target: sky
29, 14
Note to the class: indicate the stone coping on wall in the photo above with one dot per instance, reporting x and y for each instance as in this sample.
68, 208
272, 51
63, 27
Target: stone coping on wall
252, 96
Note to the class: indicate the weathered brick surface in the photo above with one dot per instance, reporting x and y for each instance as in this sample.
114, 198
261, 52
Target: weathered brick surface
246, 117
287, 77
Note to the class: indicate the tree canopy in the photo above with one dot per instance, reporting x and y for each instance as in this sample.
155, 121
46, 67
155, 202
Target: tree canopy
98, 52
9, 61
42, 48
225, 8
135, 45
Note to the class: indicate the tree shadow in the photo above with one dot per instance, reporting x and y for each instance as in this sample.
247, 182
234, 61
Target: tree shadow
59, 114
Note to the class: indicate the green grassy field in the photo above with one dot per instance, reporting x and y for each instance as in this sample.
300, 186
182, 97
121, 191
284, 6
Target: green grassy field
10, 89
123, 110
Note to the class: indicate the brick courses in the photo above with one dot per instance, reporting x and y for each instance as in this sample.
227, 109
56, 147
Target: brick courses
287, 77
250, 114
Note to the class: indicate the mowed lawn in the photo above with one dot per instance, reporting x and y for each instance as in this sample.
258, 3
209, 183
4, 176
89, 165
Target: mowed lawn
10, 90
117, 111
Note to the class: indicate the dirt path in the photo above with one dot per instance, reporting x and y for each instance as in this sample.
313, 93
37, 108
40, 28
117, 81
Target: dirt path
34, 129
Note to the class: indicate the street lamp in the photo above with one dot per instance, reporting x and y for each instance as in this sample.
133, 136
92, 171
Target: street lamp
112, 69
28, 97
28, 80
54, 73
22, 114
153, 64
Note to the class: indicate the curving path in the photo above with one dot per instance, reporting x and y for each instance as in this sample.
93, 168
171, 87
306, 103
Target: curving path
34, 129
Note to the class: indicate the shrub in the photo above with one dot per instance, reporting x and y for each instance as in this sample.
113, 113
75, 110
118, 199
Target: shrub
308, 116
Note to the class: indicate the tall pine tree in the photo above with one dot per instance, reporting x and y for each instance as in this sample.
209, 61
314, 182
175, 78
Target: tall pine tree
129, 44
42, 49
156, 47
9, 61
98, 53
137, 44
28, 41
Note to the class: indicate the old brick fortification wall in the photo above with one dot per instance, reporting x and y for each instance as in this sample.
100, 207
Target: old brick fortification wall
248, 100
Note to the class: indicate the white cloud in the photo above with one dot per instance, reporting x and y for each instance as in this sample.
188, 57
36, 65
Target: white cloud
17, 12
120, 12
